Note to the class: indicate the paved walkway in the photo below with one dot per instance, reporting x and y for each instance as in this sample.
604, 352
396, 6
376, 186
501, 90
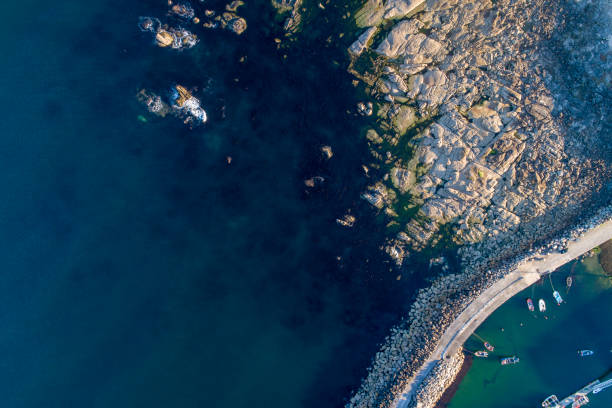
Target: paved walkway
476, 312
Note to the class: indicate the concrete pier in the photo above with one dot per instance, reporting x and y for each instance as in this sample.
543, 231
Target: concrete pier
480, 308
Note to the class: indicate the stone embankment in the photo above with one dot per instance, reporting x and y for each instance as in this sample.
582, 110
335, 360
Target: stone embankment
432, 387
418, 344
475, 128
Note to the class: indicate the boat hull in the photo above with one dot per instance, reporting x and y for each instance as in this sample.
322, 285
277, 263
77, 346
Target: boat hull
542, 305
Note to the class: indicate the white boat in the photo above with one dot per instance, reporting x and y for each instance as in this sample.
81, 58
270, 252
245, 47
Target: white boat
509, 360
542, 305
557, 297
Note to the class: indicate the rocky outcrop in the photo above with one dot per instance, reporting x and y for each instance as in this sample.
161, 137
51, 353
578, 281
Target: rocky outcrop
375, 11
479, 130
411, 342
292, 9
357, 48
494, 154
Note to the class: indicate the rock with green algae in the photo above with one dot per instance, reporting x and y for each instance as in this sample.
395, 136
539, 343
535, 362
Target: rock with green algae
402, 179
374, 12
373, 136
363, 42
371, 14
292, 22
403, 119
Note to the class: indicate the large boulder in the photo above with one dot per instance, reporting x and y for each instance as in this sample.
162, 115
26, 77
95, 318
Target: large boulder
400, 8
362, 42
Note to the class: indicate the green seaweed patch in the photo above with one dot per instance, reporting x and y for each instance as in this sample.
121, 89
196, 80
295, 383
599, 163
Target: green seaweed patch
405, 148
445, 240
367, 67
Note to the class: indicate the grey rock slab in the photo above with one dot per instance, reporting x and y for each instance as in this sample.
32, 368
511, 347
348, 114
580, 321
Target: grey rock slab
361, 44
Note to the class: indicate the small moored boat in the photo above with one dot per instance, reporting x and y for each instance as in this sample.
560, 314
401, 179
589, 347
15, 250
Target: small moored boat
542, 305
530, 305
488, 346
584, 353
551, 401
509, 360
557, 297
568, 282
481, 353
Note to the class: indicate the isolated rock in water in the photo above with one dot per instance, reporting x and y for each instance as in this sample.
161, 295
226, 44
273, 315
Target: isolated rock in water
346, 221
314, 181
183, 10
362, 42
237, 25
327, 152
365, 109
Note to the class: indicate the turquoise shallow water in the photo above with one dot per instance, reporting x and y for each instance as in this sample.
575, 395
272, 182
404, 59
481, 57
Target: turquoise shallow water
546, 347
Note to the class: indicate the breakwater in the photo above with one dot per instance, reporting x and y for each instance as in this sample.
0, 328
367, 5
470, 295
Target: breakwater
440, 319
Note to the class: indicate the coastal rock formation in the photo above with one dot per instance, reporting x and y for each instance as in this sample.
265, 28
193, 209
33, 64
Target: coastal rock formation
292, 9
494, 152
411, 342
492, 121
440, 378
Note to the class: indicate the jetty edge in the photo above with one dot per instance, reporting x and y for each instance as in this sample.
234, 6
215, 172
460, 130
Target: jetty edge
417, 360
480, 308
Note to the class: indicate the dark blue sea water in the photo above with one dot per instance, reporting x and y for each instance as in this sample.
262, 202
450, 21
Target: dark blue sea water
138, 267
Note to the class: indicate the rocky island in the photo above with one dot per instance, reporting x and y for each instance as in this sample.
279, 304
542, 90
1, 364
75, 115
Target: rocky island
491, 124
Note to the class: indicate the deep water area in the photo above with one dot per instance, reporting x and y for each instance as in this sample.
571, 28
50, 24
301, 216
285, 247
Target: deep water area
143, 268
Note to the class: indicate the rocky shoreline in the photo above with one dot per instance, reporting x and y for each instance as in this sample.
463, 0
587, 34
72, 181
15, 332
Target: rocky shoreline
413, 341
470, 128
450, 391
475, 134
442, 376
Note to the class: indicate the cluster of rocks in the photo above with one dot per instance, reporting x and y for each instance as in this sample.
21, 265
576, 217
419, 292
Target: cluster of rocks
472, 130
228, 19
467, 85
292, 9
431, 389
473, 256
413, 341
167, 36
